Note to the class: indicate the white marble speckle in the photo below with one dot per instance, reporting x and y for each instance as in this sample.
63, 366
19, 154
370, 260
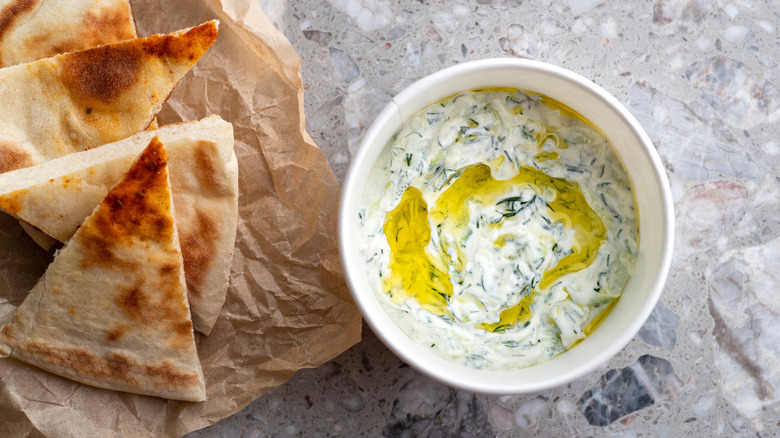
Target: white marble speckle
703, 213
550, 27
368, 15
352, 37
764, 193
579, 27
704, 43
354, 403
432, 34
703, 405
767, 26
735, 34
565, 407
503, 417
771, 147
413, 55
520, 42
447, 22
528, 413
731, 11
610, 29
681, 12
345, 70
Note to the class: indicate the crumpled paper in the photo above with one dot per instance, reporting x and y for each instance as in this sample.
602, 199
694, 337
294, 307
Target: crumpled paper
288, 306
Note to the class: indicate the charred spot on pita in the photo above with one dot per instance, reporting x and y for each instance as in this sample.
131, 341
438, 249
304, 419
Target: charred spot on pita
9, 331
101, 74
198, 252
116, 333
11, 203
206, 165
169, 268
170, 376
119, 366
132, 301
97, 250
13, 157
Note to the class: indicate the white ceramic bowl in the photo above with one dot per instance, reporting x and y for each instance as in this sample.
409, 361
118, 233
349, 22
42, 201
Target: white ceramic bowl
654, 202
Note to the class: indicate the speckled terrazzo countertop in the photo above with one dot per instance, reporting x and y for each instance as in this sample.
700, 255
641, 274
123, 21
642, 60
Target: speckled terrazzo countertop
702, 77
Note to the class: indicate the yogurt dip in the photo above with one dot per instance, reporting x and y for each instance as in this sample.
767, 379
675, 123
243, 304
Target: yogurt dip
498, 228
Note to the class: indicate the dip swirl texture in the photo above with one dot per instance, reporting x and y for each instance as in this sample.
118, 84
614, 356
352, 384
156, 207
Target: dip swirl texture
498, 228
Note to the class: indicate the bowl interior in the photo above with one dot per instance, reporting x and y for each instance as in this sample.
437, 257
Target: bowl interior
654, 212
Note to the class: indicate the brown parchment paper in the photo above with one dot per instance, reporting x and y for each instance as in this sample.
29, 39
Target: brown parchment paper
287, 307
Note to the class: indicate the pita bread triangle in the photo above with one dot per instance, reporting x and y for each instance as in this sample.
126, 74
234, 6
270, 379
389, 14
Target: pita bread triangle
84, 99
56, 196
39, 29
111, 310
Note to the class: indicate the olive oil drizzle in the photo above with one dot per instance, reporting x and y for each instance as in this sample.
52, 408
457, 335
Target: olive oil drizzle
414, 272
417, 273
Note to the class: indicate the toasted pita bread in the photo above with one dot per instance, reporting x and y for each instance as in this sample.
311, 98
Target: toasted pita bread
31, 30
57, 195
35, 29
80, 100
111, 310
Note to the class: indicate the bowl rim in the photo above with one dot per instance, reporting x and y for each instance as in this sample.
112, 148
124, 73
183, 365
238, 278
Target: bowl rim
368, 303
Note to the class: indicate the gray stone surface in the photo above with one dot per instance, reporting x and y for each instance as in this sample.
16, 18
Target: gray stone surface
701, 76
